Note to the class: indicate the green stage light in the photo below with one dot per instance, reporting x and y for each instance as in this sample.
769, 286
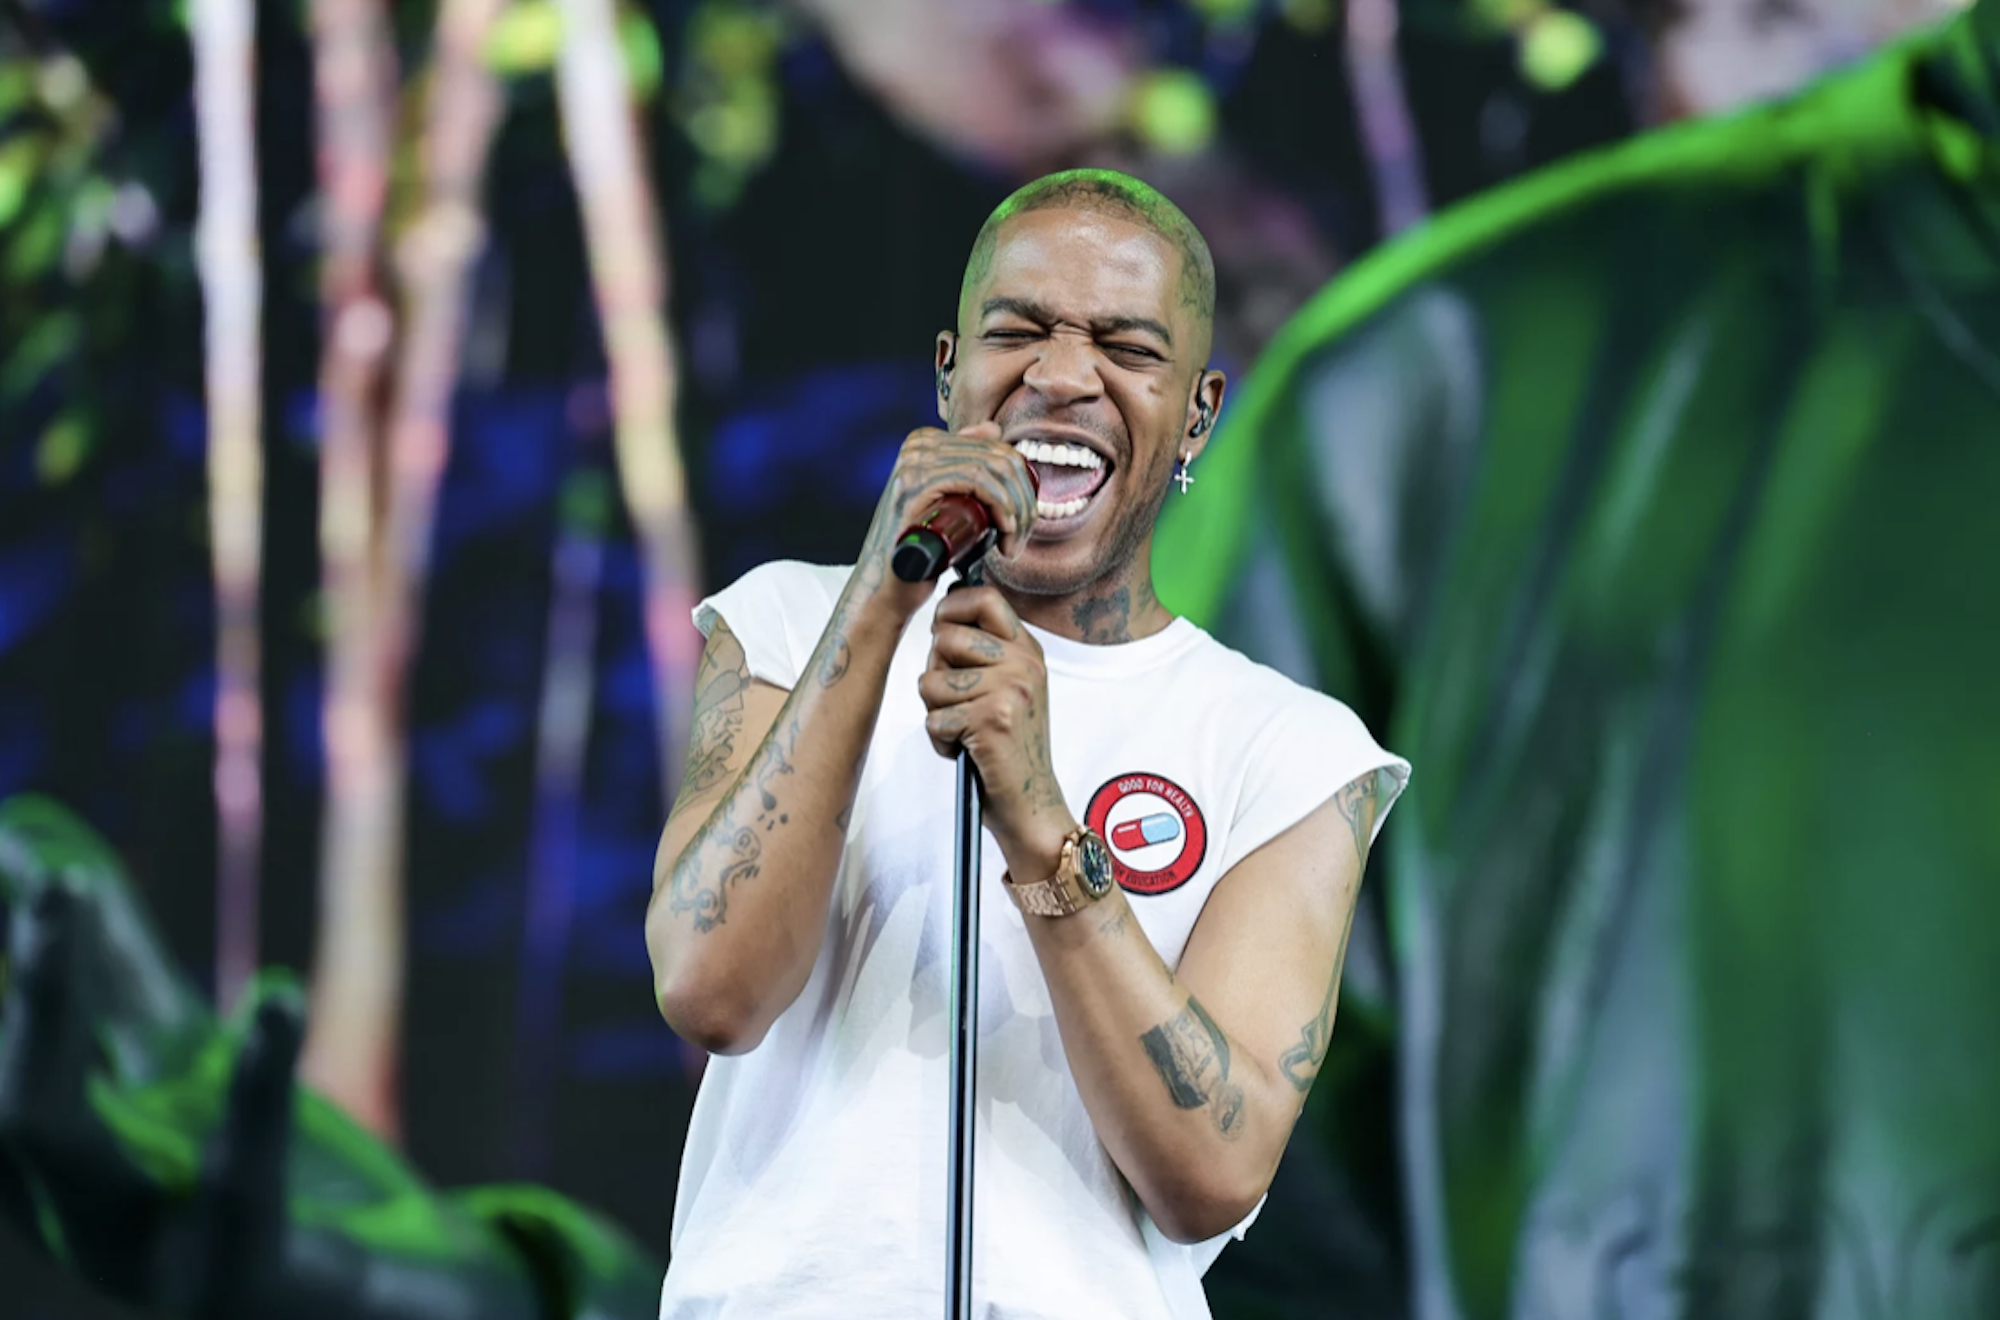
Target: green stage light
1557, 48
1174, 111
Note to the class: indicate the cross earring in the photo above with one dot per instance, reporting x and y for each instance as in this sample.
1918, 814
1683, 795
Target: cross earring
944, 386
1181, 473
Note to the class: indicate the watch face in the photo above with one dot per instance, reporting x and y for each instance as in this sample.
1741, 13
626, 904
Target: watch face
1093, 866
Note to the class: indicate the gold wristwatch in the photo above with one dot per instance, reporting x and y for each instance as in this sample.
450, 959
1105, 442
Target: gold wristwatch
1083, 875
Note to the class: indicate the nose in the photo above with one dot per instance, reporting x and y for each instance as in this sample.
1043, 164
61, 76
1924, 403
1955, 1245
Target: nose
1065, 370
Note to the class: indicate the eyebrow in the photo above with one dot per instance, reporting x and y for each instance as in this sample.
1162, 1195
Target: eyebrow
1103, 325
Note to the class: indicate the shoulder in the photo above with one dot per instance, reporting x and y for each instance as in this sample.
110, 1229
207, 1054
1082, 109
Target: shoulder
1288, 748
795, 577
776, 612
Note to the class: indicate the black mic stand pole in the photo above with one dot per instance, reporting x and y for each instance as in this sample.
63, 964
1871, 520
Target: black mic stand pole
922, 553
964, 1013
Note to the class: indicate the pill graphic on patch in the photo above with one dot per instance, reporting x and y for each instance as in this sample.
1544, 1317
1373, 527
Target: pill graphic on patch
1159, 827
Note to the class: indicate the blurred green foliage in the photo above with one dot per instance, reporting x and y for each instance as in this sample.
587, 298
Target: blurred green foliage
93, 177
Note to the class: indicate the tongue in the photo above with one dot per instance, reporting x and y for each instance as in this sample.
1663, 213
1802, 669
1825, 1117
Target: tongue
1061, 484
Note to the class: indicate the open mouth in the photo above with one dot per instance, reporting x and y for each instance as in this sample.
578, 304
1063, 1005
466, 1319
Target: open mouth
1070, 476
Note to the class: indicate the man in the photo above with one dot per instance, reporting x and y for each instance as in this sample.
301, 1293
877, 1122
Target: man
1146, 1044
1650, 501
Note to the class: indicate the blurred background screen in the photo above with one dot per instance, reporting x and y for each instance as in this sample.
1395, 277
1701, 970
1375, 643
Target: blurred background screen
381, 382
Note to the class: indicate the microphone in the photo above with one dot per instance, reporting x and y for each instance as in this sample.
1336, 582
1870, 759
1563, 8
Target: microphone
954, 532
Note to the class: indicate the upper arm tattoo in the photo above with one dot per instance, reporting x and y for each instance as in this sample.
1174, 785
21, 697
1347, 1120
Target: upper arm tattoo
1192, 1057
728, 848
1301, 1063
718, 710
725, 852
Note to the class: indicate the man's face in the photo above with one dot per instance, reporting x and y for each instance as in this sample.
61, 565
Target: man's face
1078, 345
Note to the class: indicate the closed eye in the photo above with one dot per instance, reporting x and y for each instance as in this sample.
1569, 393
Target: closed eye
1134, 352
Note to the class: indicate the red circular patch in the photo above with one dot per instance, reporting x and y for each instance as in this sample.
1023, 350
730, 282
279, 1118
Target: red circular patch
1157, 835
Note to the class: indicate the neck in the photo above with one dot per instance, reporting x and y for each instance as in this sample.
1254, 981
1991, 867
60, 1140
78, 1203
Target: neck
1120, 607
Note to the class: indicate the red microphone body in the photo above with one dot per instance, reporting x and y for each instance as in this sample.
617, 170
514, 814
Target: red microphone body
952, 533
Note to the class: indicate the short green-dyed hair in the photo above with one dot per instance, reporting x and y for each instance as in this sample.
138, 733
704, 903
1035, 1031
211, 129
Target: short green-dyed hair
1111, 193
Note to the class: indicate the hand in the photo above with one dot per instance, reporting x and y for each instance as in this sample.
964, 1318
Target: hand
987, 690
934, 463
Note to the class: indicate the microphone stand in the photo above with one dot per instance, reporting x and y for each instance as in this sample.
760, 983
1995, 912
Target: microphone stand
964, 1012
956, 532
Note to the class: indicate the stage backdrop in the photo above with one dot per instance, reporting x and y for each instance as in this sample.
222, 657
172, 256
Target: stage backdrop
379, 385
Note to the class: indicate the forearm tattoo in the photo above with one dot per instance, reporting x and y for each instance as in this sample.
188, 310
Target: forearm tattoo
1040, 788
830, 662
722, 843
728, 850
725, 851
1301, 1063
1192, 1057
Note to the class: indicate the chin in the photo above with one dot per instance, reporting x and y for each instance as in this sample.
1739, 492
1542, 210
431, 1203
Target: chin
1072, 564
1036, 574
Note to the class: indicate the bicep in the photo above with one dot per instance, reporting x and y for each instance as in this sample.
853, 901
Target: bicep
732, 714
1265, 955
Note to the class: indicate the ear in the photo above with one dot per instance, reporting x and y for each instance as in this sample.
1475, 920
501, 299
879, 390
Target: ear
1204, 410
947, 358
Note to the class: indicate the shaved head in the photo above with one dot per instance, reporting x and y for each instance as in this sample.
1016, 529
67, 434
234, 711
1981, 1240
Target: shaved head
1107, 192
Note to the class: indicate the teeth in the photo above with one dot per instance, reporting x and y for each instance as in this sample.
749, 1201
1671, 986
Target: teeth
1067, 509
1059, 455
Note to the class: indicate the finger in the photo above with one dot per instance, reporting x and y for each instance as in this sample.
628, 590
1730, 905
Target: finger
1014, 475
960, 647
1022, 491
948, 687
1003, 475
946, 727
1018, 475
1029, 491
963, 606
989, 471
977, 484
983, 608
45, 1042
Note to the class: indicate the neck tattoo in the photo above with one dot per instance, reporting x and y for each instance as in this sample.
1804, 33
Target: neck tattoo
1104, 620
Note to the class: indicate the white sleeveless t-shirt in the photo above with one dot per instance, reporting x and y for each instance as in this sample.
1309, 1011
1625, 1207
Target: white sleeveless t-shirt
813, 1179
